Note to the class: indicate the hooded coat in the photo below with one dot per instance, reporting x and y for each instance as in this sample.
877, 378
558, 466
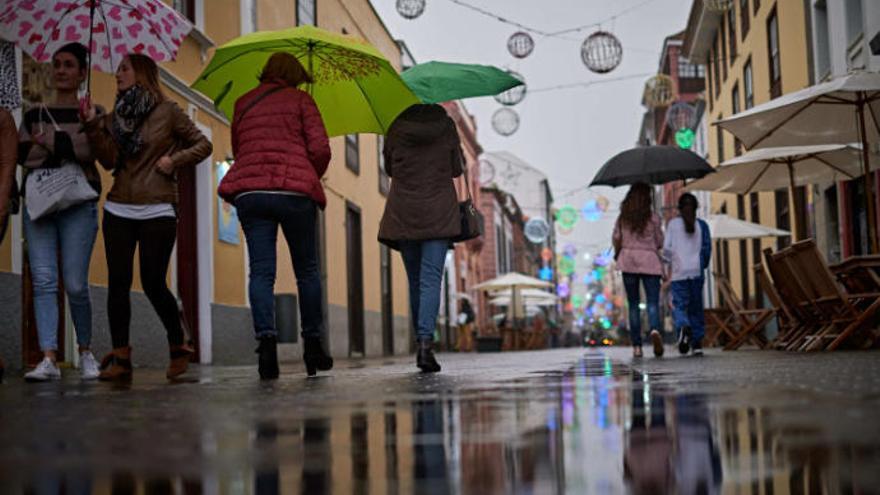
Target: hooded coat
422, 155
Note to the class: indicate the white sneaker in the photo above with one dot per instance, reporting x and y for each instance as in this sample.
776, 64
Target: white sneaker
88, 366
46, 370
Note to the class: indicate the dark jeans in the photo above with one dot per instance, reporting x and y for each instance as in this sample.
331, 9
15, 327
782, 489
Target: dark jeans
687, 303
424, 261
651, 283
155, 239
260, 215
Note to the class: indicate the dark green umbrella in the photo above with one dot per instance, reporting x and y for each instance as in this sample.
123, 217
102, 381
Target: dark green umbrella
436, 82
651, 165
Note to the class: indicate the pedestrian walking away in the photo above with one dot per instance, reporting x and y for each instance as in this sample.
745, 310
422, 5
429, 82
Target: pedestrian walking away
8, 157
281, 152
466, 319
688, 249
637, 239
422, 156
144, 141
50, 139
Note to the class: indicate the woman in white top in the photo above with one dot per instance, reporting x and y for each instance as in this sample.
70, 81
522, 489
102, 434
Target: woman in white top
687, 250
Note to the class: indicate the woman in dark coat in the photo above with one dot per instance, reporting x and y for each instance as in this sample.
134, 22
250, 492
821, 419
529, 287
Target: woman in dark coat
422, 156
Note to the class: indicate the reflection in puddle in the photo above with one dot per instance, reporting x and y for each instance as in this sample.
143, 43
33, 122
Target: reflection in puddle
597, 428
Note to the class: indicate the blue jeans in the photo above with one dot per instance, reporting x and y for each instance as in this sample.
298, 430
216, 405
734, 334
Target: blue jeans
71, 232
651, 283
424, 261
687, 306
261, 214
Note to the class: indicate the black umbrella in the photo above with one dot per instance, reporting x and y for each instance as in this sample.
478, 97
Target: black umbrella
652, 165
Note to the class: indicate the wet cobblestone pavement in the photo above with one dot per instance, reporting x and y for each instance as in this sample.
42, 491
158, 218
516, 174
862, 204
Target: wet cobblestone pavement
562, 421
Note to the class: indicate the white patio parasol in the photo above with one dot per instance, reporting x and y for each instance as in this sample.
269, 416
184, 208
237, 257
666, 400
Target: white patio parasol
726, 227
514, 282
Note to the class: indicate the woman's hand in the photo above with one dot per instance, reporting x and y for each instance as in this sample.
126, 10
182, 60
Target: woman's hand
87, 112
165, 165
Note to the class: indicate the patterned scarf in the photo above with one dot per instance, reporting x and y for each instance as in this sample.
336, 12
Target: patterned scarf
132, 107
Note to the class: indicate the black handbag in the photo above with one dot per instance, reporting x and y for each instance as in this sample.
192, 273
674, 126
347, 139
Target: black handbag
471, 219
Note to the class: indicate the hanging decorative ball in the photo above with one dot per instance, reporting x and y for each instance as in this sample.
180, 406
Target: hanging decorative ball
718, 5
505, 121
603, 203
566, 217
565, 230
588, 279
545, 274
513, 95
570, 250
601, 52
566, 265
546, 254
486, 172
591, 211
684, 138
577, 301
536, 230
520, 44
562, 290
410, 9
659, 91
681, 115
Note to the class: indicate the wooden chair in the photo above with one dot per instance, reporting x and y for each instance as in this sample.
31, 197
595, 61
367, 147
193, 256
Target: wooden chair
747, 322
717, 324
786, 321
841, 314
794, 299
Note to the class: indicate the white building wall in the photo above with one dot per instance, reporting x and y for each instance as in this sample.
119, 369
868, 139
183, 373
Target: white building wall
841, 36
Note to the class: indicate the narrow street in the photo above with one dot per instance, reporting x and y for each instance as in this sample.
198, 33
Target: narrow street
562, 421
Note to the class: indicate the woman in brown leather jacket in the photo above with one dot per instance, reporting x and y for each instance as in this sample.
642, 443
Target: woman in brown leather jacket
143, 141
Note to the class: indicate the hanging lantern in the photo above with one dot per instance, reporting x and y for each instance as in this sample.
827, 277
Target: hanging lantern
718, 5
513, 95
681, 115
566, 217
601, 52
536, 230
684, 138
520, 44
410, 9
505, 121
659, 91
486, 172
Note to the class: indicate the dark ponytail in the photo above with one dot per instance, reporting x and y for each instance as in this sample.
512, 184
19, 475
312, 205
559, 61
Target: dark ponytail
687, 207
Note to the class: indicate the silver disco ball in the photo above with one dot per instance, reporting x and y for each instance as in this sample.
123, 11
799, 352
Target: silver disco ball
486, 172
601, 52
520, 44
681, 115
536, 230
659, 91
410, 9
513, 95
505, 121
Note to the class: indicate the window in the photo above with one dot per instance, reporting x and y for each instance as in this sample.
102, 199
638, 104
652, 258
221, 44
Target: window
731, 32
719, 137
755, 206
744, 18
686, 69
724, 60
717, 75
734, 98
352, 153
773, 55
187, 8
748, 86
248, 12
743, 253
306, 12
854, 20
756, 4
710, 83
823, 51
384, 180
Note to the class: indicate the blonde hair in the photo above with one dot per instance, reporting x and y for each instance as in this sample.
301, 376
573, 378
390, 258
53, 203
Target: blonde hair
146, 74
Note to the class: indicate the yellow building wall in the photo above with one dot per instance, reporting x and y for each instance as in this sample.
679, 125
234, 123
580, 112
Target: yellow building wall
794, 60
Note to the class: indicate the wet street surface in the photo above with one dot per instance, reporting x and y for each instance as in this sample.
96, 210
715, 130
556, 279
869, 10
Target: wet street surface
563, 421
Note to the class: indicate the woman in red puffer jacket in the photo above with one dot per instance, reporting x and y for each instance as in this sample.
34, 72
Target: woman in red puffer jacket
281, 152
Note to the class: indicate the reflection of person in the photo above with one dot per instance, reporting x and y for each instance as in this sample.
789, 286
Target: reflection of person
8, 157
422, 156
637, 240
697, 462
466, 318
51, 135
281, 152
145, 140
688, 248
646, 461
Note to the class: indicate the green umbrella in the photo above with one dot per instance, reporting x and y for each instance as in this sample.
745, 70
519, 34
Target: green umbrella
436, 82
356, 88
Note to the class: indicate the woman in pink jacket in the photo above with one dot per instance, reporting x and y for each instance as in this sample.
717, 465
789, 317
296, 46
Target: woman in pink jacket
638, 238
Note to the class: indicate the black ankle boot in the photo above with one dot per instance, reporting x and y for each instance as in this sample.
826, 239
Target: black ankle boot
315, 357
268, 360
425, 359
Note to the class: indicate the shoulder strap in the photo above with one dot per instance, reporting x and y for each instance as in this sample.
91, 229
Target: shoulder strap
256, 100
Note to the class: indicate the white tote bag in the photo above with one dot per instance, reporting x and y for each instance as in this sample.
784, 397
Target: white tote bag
48, 190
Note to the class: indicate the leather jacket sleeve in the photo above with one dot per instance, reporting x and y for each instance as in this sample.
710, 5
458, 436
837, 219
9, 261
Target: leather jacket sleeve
194, 146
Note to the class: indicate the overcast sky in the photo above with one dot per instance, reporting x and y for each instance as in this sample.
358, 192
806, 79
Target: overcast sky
566, 133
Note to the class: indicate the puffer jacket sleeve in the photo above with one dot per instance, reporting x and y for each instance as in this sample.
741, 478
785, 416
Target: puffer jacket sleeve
101, 141
317, 142
706, 245
195, 146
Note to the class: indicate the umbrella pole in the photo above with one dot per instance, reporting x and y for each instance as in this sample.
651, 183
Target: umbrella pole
792, 204
91, 35
869, 183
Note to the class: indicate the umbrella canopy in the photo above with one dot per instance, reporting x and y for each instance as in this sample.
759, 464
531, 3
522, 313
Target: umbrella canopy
436, 82
652, 165
511, 280
504, 301
769, 169
527, 294
727, 227
356, 88
837, 111
112, 28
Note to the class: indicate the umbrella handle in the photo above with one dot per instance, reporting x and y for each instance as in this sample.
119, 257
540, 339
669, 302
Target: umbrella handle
89, 48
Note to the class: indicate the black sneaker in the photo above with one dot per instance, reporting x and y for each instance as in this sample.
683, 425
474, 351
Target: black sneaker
684, 340
698, 349
268, 358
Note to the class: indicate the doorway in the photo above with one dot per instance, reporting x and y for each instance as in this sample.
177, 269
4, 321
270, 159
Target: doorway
354, 255
387, 301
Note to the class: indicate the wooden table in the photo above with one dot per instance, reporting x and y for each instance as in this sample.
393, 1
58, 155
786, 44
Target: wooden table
859, 274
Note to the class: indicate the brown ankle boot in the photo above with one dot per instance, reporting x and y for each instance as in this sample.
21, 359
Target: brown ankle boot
116, 365
180, 355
